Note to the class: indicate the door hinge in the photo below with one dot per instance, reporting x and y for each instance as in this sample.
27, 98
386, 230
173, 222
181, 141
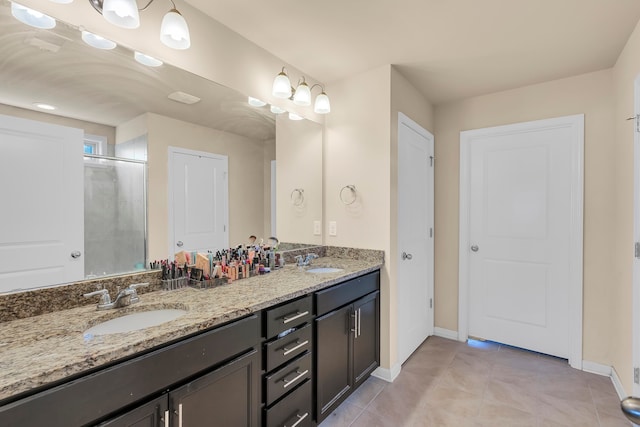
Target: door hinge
431, 232
636, 375
224, 228
431, 160
637, 249
430, 302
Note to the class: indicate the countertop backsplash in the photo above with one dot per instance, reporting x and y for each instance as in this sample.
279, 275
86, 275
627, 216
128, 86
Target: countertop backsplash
20, 305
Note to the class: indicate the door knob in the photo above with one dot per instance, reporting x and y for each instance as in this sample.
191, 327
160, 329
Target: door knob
179, 244
475, 248
406, 256
75, 254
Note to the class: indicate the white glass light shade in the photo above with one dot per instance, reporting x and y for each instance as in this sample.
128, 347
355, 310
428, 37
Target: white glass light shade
44, 106
281, 86
255, 102
302, 95
123, 13
277, 110
62, 1
147, 60
322, 104
97, 41
294, 116
174, 31
32, 17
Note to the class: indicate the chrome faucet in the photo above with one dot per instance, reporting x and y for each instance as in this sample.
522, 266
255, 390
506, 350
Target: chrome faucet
125, 297
301, 262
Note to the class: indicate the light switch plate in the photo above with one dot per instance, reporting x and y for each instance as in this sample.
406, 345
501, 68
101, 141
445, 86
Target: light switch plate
333, 228
317, 229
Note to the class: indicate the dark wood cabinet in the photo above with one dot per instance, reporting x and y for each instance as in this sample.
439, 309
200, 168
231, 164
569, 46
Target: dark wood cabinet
228, 396
150, 414
347, 340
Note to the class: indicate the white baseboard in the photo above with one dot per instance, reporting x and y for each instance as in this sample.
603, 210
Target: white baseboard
596, 368
389, 375
617, 384
445, 333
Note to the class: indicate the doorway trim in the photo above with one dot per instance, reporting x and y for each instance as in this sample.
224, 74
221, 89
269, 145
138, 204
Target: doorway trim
576, 123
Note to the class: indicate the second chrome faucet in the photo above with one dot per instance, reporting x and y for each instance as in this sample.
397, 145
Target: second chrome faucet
125, 297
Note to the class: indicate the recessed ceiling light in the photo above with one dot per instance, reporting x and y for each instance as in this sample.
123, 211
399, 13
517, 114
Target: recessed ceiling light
184, 98
147, 60
97, 41
255, 102
44, 106
293, 116
32, 17
277, 110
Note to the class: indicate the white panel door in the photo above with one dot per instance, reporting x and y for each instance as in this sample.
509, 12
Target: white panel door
199, 201
520, 236
415, 236
42, 214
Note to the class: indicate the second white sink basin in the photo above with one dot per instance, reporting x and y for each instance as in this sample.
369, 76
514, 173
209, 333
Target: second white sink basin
324, 270
135, 321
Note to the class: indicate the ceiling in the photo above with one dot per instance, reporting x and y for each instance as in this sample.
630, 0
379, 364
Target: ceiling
110, 87
448, 49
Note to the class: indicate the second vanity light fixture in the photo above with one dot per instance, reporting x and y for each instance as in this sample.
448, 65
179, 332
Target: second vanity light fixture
301, 95
174, 31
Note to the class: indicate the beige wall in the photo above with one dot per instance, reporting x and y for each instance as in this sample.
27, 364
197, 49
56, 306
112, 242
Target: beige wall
298, 166
246, 172
626, 70
216, 52
590, 94
88, 127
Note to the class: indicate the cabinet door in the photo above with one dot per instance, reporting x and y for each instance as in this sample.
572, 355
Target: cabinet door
333, 342
366, 342
228, 396
151, 414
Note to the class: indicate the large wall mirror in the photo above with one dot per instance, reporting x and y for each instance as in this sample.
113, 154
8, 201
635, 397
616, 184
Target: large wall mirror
136, 112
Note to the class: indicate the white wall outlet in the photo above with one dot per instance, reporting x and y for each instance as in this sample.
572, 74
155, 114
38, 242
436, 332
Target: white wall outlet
333, 228
317, 229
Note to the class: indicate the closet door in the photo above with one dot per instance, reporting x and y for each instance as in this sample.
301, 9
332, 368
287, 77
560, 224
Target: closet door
42, 220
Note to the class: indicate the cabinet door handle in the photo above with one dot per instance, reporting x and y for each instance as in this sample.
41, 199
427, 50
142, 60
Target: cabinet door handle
166, 418
179, 413
287, 382
298, 315
300, 344
355, 323
359, 320
300, 418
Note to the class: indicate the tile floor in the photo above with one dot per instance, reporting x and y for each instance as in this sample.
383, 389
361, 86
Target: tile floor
448, 383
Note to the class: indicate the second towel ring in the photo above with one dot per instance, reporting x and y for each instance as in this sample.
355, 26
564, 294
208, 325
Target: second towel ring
344, 196
297, 196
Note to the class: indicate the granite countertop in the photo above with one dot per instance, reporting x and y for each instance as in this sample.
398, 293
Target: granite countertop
42, 349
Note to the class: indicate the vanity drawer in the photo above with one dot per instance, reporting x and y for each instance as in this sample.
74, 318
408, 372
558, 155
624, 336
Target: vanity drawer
336, 296
292, 411
287, 378
295, 313
286, 348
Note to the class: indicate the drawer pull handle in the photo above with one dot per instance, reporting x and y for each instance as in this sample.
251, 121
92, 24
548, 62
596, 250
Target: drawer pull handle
300, 418
298, 315
166, 418
179, 414
290, 350
287, 382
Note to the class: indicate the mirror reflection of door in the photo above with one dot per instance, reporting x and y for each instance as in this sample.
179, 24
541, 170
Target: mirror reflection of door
198, 201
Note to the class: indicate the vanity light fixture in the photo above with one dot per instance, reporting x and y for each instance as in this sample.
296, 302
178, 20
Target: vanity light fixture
32, 17
255, 102
174, 31
97, 41
301, 95
294, 116
147, 60
276, 110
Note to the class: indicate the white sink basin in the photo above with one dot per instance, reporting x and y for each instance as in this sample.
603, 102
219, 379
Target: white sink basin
324, 270
135, 321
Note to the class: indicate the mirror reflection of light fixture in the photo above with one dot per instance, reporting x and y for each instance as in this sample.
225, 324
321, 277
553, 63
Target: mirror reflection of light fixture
300, 95
255, 102
174, 31
294, 116
32, 17
276, 110
62, 1
147, 60
97, 41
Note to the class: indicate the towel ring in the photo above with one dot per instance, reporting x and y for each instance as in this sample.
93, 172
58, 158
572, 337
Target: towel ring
343, 196
297, 196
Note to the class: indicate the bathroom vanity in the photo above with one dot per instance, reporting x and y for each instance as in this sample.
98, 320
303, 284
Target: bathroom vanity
283, 349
